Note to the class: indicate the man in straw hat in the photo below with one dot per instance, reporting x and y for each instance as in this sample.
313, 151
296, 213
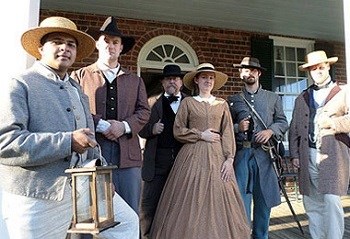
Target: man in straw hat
161, 147
46, 128
319, 147
253, 166
118, 101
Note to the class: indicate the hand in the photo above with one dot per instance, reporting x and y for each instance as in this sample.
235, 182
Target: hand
325, 122
243, 125
227, 170
82, 139
210, 135
114, 131
295, 162
263, 136
158, 128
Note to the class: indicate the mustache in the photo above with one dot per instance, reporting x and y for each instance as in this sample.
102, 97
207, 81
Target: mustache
248, 77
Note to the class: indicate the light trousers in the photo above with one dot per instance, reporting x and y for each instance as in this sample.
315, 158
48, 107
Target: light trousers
32, 218
325, 211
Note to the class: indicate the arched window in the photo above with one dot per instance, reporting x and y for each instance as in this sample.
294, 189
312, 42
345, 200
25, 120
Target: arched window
160, 51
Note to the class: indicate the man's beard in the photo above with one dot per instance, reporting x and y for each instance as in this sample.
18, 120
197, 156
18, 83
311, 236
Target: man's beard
249, 80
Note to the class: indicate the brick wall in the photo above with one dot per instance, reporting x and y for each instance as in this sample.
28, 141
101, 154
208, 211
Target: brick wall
221, 47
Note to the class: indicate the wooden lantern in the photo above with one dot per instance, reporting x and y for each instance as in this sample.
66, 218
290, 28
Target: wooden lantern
92, 193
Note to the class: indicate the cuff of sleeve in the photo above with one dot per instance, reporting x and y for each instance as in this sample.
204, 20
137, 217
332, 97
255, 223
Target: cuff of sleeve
102, 126
127, 127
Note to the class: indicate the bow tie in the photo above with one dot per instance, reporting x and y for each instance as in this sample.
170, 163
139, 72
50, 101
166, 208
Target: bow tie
172, 98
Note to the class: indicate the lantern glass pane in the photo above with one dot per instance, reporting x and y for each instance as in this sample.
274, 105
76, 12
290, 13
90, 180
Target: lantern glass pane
102, 195
84, 201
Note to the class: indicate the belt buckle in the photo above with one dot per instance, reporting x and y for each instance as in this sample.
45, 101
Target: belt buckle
247, 144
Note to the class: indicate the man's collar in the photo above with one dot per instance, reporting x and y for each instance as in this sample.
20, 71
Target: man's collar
50, 73
328, 84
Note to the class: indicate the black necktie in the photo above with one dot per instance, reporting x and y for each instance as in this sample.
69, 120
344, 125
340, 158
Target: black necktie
173, 98
316, 87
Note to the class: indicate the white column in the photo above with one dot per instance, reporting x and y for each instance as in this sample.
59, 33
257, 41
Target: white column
16, 17
346, 8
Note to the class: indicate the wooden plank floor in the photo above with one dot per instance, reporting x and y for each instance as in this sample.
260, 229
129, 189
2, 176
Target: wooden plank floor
283, 226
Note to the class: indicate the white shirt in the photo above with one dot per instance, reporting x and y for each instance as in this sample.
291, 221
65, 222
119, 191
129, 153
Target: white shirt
110, 74
175, 104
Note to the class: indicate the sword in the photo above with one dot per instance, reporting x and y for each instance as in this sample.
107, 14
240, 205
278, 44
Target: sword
275, 157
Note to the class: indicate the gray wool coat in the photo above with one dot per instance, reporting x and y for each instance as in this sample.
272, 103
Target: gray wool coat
36, 124
269, 106
334, 144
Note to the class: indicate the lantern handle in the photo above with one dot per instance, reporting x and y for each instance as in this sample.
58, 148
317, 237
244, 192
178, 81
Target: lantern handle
100, 161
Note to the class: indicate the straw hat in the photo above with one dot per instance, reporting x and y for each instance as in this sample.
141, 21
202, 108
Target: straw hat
220, 78
315, 58
110, 27
32, 37
250, 62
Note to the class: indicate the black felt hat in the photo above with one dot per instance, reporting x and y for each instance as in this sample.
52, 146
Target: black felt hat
172, 70
110, 27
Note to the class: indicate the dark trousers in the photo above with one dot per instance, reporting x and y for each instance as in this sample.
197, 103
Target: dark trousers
151, 193
127, 181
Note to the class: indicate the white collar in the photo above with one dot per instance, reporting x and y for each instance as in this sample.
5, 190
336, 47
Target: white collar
178, 95
109, 73
210, 100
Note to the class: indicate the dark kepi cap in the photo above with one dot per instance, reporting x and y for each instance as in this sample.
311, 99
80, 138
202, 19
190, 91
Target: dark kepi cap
172, 70
110, 27
250, 62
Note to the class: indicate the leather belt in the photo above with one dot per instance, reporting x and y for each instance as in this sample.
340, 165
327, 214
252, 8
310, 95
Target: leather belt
249, 144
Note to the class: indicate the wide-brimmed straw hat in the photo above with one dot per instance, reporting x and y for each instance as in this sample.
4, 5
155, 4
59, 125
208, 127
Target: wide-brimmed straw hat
110, 28
31, 38
172, 70
315, 58
250, 62
220, 78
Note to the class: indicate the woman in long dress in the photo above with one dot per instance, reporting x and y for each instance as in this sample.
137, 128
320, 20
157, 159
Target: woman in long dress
201, 198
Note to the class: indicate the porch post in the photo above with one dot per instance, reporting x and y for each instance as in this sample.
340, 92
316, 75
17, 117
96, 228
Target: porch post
16, 17
346, 9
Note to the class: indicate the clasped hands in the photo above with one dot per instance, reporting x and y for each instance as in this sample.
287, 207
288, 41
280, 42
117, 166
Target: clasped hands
115, 130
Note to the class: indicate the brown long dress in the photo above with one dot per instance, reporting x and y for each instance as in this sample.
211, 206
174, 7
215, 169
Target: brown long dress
196, 202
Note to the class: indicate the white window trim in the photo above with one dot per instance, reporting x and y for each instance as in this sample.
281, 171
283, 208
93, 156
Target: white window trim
161, 40
292, 42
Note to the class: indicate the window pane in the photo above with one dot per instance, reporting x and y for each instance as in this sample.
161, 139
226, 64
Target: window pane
182, 59
168, 49
279, 68
278, 53
302, 73
301, 52
293, 86
278, 84
290, 54
177, 52
153, 57
159, 50
302, 84
291, 69
288, 102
